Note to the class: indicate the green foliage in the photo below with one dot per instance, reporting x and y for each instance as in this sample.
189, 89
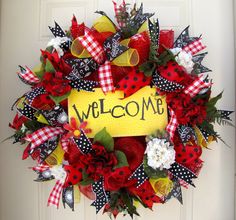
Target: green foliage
122, 160
49, 67
212, 113
86, 180
58, 99
40, 72
152, 173
128, 201
104, 138
148, 68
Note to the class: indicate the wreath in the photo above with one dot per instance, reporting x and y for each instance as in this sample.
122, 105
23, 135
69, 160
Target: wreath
118, 170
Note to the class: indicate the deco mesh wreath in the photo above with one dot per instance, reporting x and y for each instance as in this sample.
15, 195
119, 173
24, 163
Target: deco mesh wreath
115, 170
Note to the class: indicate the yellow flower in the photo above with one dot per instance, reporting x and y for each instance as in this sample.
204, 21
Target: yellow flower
162, 186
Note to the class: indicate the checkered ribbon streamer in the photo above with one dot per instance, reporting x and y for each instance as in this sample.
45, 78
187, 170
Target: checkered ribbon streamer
93, 47
194, 47
40, 168
99, 55
55, 195
27, 75
105, 77
118, 11
173, 124
197, 86
65, 143
40, 136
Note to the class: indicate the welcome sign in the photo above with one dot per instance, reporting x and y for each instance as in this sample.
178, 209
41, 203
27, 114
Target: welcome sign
140, 114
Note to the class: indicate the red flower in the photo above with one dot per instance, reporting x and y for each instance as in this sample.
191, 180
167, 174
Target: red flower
18, 121
55, 84
118, 178
133, 149
187, 110
98, 162
74, 129
43, 102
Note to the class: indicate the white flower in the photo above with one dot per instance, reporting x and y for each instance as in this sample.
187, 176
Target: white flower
160, 154
56, 42
58, 172
183, 59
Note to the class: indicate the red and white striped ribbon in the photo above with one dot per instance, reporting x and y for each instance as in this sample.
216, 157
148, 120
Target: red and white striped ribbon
173, 124
92, 46
27, 75
55, 195
40, 136
197, 86
194, 47
118, 10
105, 77
98, 53
40, 168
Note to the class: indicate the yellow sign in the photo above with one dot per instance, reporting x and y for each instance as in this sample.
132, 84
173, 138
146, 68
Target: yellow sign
140, 114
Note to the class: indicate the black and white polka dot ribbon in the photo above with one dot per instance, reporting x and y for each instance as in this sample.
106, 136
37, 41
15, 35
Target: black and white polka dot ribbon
182, 173
58, 32
225, 114
164, 84
81, 84
140, 175
27, 111
83, 143
102, 197
30, 96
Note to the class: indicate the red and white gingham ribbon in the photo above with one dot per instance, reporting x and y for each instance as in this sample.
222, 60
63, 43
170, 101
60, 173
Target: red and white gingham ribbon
194, 47
92, 46
40, 168
118, 9
105, 77
196, 86
28, 76
98, 53
173, 124
40, 136
55, 195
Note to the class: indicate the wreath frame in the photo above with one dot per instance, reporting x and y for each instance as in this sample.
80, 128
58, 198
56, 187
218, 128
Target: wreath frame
102, 169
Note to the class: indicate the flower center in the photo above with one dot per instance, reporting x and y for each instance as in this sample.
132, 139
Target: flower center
76, 133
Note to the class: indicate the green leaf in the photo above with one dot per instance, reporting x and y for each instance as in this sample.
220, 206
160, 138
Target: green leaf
122, 160
152, 173
49, 67
58, 99
39, 72
147, 68
104, 138
128, 201
86, 182
214, 100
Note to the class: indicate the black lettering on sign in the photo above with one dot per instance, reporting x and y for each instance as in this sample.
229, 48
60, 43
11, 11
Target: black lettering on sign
131, 109
145, 107
127, 108
113, 111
